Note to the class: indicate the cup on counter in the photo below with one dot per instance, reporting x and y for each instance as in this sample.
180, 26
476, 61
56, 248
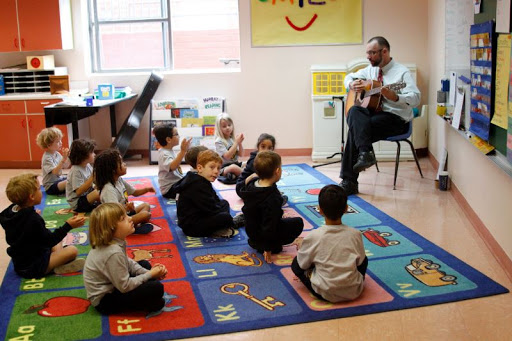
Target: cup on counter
88, 101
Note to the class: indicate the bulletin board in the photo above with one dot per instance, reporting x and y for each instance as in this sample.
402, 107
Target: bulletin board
482, 74
193, 117
287, 23
457, 11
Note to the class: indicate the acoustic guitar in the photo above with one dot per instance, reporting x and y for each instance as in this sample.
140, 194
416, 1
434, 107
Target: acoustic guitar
370, 98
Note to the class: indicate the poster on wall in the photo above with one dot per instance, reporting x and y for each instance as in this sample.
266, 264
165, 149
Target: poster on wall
481, 78
509, 130
306, 22
500, 117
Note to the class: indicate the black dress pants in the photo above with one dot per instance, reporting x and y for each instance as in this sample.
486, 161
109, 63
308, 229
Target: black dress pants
206, 226
287, 231
365, 128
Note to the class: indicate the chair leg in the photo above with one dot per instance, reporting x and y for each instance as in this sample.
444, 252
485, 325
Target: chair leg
415, 156
396, 162
376, 163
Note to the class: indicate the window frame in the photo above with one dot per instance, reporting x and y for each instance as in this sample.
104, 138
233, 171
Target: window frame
95, 45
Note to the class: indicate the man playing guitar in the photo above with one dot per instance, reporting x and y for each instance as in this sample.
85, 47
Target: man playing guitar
389, 118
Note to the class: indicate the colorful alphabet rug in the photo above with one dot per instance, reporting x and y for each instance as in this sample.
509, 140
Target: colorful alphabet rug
217, 285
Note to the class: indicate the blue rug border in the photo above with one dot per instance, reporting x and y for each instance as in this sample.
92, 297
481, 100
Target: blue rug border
492, 287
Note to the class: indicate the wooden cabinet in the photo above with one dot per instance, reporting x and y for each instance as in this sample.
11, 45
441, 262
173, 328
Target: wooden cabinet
34, 25
20, 122
14, 136
35, 124
9, 39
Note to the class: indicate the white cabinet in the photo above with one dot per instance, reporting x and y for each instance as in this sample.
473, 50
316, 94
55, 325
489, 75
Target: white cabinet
328, 113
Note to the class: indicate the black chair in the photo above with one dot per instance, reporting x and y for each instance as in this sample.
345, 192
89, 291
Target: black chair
132, 122
402, 138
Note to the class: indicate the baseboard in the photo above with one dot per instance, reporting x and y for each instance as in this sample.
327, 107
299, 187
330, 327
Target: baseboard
497, 251
286, 152
422, 152
282, 152
20, 164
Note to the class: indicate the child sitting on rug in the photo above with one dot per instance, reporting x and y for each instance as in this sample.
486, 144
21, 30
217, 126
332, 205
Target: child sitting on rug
169, 170
191, 156
266, 228
108, 170
80, 194
201, 213
331, 262
265, 142
229, 147
34, 249
114, 282
52, 162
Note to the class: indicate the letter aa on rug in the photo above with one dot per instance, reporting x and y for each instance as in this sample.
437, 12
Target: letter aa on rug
217, 286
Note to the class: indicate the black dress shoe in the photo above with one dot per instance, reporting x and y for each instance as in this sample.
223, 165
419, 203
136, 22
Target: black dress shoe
365, 160
349, 187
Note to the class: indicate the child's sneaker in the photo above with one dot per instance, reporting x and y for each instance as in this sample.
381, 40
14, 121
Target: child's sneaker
238, 221
73, 266
143, 228
285, 199
227, 232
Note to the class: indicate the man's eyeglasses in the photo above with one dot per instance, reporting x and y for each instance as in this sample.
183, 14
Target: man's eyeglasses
175, 135
373, 53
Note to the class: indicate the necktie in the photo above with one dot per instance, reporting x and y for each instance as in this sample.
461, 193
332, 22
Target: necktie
380, 78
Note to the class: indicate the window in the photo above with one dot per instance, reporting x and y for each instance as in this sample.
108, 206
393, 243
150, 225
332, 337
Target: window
163, 34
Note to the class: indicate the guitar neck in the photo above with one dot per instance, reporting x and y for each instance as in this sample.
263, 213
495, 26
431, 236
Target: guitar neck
378, 90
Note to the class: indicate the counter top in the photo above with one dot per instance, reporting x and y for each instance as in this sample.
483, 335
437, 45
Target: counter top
29, 96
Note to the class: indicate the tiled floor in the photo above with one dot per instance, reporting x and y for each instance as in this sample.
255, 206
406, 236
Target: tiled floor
433, 214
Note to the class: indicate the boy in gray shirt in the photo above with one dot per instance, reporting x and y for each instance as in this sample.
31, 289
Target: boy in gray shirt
52, 162
331, 261
169, 170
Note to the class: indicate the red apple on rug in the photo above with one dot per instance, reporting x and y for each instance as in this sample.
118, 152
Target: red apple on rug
60, 306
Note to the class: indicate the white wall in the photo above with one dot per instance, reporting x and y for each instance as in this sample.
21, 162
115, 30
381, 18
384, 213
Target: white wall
272, 93
486, 187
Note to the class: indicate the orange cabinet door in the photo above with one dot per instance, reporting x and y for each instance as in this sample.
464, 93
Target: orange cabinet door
36, 123
12, 107
9, 40
37, 107
39, 23
14, 135
65, 137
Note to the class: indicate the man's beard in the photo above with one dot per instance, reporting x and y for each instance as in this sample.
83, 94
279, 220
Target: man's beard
376, 62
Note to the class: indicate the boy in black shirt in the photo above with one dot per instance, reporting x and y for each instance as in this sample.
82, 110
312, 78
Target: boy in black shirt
268, 231
35, 250
201, 213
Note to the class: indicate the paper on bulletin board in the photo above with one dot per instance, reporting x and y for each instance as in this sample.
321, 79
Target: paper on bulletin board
453, 88
284, 23
457, 112
500, 117
503, 16
482, 145
509, 131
